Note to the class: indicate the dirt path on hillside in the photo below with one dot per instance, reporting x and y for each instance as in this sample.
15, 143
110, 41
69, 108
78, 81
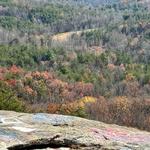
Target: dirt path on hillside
63, 37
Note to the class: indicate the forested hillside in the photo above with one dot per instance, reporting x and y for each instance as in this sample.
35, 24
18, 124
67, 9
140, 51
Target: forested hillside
89, 58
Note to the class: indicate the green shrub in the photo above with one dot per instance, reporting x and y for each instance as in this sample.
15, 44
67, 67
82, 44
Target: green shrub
8, 99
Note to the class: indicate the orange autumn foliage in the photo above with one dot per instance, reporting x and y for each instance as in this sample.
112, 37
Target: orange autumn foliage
15, 70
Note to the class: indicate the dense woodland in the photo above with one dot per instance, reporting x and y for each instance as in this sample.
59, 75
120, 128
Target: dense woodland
89, 58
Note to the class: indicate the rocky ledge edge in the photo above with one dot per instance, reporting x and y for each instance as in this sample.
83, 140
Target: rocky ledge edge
21, 131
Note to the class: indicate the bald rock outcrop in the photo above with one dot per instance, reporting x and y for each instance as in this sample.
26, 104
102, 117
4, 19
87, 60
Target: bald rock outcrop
20, 131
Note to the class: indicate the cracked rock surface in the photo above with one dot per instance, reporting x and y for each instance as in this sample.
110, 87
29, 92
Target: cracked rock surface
20, 131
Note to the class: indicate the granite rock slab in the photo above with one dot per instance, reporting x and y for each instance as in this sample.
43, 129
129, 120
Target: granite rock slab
21, 131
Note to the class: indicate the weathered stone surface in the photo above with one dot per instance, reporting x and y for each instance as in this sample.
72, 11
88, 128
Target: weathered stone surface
19, 131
